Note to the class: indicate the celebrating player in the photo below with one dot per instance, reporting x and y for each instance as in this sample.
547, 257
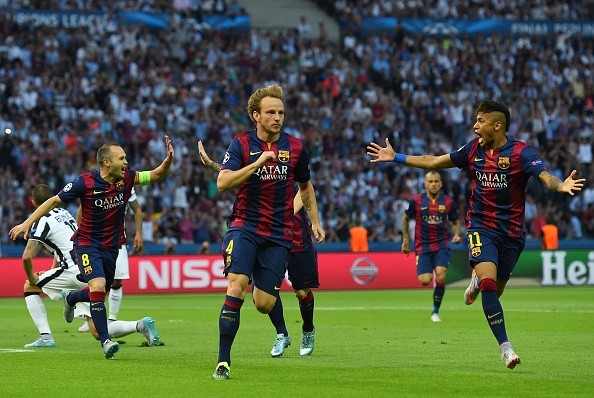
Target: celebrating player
303, 275
499, 168
263, 163
53, 231
104, 196
116, 292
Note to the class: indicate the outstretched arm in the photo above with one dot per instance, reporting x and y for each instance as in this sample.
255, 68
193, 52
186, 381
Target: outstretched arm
554, 184
37, 214
159, 173
387, 154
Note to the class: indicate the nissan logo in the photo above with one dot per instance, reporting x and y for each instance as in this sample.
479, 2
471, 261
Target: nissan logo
363, 271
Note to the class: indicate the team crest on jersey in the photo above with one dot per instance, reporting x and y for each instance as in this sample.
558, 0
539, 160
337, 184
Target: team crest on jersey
88, 270
284, 156
119, 185
442, 208
475, 251
503, 162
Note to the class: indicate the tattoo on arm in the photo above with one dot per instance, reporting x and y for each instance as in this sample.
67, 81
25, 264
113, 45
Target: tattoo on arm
215, 166
555, 184
306, 202
33, 246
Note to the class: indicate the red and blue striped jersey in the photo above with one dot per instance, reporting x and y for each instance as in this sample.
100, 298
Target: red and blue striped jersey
264, 203
431, 229
103, 208
498, 179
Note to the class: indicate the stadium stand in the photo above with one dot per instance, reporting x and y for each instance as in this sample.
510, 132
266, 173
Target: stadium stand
64, 90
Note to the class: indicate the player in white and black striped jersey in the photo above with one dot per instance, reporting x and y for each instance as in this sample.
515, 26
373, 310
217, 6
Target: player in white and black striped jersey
53, 231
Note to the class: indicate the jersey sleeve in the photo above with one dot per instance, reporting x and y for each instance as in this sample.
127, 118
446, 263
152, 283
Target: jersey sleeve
302, 167
39, 231
72, 190
233, 159
460, 157
411, 210
531, 163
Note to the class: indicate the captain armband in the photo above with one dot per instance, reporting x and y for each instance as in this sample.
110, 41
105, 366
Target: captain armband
144, 177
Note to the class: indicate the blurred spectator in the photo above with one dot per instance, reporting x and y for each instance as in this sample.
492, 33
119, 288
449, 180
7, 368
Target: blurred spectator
204, 248
550, 235
169, 241
358, 238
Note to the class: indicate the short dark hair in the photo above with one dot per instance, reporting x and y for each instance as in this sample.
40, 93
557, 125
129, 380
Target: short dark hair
489, 106
105, 151
41, 193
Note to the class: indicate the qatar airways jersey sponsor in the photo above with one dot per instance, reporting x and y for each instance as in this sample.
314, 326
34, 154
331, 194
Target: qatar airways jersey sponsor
498, 179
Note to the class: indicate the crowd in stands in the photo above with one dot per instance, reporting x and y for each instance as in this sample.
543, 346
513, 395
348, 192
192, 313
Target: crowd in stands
64, 92
350, 11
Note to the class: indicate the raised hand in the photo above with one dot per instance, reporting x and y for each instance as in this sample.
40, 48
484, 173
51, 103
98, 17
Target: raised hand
379, 153
570, 184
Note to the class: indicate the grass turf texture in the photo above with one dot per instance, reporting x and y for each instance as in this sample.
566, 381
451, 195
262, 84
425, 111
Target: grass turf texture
368, 344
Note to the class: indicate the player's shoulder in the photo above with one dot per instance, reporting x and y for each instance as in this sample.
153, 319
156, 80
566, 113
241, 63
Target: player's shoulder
244, 135
293, 141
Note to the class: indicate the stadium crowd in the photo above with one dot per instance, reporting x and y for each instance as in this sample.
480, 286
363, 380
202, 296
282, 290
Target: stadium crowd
63, 92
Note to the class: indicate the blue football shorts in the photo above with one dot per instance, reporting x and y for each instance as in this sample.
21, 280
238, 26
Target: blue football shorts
426, 262
487, 246
95, 262
303, 269
262, 259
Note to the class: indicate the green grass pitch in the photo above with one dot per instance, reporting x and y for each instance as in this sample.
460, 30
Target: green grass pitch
368, 344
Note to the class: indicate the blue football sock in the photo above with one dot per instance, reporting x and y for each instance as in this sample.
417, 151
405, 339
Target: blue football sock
438, 293
278, 318
306, 306
99, 315
494, 314
78, 296
228, 326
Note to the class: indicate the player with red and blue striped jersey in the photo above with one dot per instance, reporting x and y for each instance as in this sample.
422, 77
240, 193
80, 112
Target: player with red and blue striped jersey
104, 197
499, 169
431, 211
303, 274
262, 164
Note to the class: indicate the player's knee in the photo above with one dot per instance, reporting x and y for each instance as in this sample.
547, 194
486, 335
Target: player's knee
234, 291
264, 307
29, 289
425, 279
301, 294
488, 284
116, 284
